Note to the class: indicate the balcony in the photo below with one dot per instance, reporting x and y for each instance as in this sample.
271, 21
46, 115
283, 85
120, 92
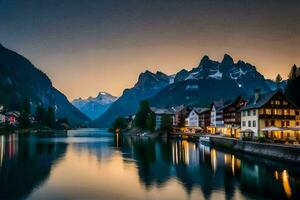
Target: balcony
288, 117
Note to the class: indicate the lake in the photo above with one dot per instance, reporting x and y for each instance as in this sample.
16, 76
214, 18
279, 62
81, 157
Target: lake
95, 164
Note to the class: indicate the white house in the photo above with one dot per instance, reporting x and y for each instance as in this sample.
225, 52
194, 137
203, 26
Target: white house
192, 119
216, 115
2, 118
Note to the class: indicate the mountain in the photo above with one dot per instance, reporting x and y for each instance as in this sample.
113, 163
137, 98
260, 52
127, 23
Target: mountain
93, 107
20, 80
148, 84
211, 80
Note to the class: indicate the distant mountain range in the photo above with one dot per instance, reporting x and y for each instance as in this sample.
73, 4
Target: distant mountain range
210, 80
93, 107
148, 84
20, 80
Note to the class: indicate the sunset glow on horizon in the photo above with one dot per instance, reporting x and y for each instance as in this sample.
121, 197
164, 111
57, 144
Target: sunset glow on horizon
88, 47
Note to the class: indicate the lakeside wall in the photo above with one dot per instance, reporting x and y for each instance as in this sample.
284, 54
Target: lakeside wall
289, 153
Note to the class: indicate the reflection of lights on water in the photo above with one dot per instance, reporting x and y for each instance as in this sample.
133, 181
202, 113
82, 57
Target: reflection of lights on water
213, 155
180, 152
12, 145
232, 165
276, 175
286, 184
185, 151
2, 143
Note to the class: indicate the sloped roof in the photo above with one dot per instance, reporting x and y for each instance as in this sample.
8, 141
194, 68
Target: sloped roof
218, 104
263, 99
231, 102
201, 110
162, 111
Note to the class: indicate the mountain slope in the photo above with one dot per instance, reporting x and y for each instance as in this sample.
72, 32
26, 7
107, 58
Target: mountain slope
209, 81
148, 84
94, 107
20, 79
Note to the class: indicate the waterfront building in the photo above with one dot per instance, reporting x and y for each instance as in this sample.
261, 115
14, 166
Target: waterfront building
216, 118
271, 115
216, 114
159, 113
232, 116
204, 118
2, 118
192, 121
180, 114
12, 117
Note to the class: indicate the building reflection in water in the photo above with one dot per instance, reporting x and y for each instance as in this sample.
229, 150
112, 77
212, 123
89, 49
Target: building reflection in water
206, 168
24, 164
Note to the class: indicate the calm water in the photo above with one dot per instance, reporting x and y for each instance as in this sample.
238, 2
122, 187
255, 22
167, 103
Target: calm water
94, 164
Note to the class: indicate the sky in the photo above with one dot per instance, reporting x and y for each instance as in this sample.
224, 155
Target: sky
89, 46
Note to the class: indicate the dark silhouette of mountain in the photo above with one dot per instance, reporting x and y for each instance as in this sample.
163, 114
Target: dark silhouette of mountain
93, 107
210, 80
148, 84
20, 80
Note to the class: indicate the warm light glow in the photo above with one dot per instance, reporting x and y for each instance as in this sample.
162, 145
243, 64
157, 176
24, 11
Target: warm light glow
286, 184
213, 154
276, 175
232, 165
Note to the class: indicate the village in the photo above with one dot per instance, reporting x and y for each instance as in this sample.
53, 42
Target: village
265, 117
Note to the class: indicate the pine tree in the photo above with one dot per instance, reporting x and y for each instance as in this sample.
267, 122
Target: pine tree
24, 120
292, 88
166, 123
142, 114
278, 80
50, 117
293, 72
150, 122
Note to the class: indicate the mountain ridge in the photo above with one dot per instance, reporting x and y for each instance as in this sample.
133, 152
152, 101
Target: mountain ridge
93, 107
208, 81
20, 80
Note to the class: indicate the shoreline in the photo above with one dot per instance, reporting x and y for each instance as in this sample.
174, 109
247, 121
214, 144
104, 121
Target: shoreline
279, 152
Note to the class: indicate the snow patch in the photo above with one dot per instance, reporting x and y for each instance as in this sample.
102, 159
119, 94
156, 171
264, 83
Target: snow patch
191, 87
192, 76
218, 75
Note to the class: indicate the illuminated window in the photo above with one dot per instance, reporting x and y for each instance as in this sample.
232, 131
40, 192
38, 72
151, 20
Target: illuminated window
286, 112
277, 102
268, 111
277, 112
285, 103
272, 102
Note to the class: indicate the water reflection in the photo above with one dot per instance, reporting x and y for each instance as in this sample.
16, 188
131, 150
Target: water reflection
25, 165
210, 170
98, 165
